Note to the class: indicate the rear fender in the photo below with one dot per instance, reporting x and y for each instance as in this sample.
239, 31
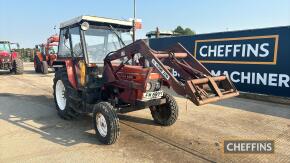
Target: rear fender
68, 65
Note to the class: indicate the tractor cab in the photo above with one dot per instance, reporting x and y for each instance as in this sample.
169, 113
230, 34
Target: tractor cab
92, 38
14, 46
5, 46
52, 46
87, 40
52, 49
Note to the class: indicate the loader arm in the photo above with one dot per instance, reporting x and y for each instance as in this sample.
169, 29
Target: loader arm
195, 83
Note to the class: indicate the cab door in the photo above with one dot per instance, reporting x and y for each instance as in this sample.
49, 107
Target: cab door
70, 51
78, 56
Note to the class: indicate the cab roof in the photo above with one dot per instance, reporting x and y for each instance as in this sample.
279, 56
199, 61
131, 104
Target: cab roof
94, 20
4, 41
160, 32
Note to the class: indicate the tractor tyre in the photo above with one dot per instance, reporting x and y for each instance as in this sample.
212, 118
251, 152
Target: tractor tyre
61, 92
37, 64
44, 67
106, 123
165, 114
17, 67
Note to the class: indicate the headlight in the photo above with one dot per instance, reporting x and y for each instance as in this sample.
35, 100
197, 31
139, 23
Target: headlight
85, 26
157, 86
148, 86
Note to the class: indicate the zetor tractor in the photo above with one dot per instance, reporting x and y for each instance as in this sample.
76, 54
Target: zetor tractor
45, 54
9, 58
101, 71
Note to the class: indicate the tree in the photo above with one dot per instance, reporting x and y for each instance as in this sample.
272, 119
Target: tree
188, 31
180, 31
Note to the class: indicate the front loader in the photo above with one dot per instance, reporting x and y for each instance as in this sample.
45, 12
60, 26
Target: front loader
46, 54
101, 71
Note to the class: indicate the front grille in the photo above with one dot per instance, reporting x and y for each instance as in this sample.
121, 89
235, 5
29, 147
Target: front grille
5, 66
4, 59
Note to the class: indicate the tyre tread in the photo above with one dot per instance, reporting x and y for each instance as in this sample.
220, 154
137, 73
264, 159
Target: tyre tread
69, 113
174, 112
114, 131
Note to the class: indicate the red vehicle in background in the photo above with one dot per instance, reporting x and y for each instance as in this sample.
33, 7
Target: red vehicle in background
9, 58
45, 54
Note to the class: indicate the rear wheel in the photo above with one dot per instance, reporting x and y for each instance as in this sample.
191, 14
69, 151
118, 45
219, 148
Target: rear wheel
17, 66
106, 123
44, 67
165, 114
61, 93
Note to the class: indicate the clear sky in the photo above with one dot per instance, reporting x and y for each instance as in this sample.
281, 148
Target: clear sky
30, 22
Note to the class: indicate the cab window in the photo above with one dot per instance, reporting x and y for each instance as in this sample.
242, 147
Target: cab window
64, 45
76, 42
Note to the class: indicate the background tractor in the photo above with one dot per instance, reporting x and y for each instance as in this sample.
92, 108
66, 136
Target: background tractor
45, 54
101, 71
9, 58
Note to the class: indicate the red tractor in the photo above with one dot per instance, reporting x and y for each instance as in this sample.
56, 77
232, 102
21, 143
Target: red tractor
9, 58
100, 70
45, 54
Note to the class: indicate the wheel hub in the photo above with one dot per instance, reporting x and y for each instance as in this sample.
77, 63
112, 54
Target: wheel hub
59, 93
101, 124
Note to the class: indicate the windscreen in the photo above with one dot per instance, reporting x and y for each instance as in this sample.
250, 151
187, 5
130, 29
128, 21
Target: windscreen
14, 46
100, 42
52, 49
4, 47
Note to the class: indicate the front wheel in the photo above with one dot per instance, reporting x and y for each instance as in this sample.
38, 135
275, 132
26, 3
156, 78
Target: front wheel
44, 67
106, 123
17, 66
165, 114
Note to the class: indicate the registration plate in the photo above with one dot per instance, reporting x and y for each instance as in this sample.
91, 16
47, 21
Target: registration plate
153, 95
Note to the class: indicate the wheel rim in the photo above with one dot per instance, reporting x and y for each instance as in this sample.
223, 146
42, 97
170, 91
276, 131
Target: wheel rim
101, 124
59, 93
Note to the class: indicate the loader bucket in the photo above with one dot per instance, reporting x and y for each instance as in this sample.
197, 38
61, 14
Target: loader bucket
210, 89
198, 84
